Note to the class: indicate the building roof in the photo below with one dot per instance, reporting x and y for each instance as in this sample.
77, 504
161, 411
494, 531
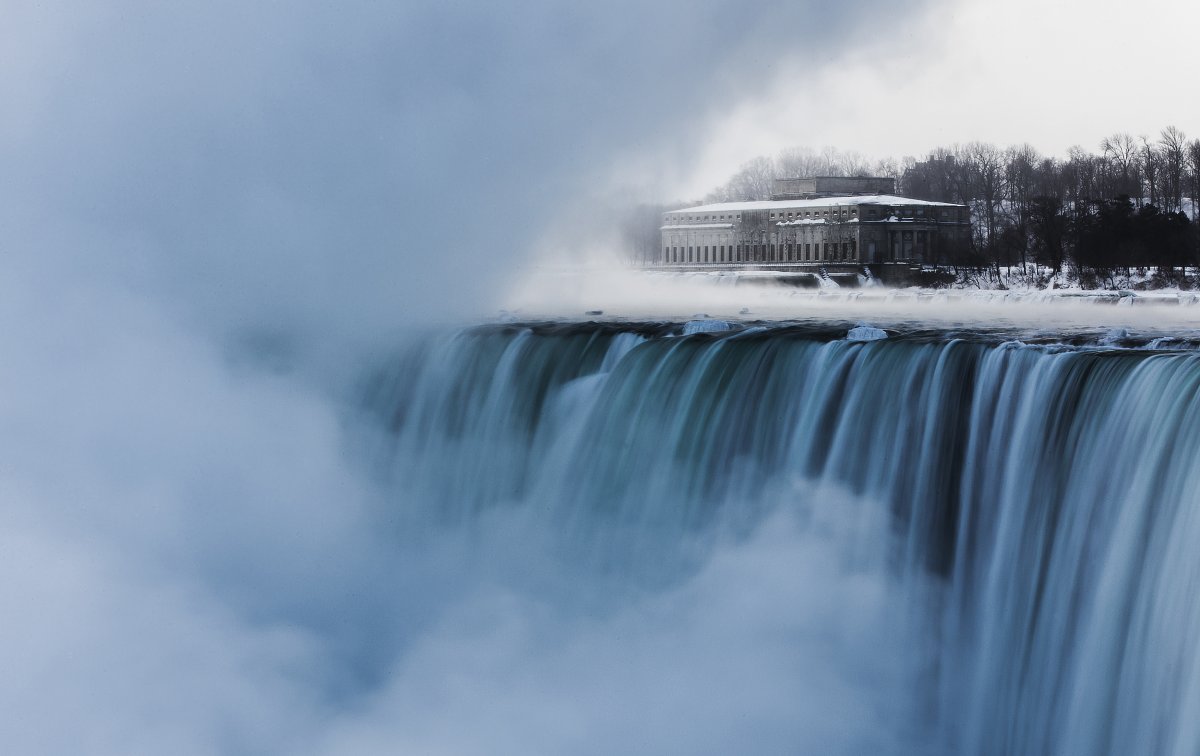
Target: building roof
863, 199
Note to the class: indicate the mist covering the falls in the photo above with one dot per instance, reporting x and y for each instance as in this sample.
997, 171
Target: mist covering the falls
215, 219
267, 486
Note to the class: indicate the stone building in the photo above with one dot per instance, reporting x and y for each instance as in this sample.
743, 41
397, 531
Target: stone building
832, 223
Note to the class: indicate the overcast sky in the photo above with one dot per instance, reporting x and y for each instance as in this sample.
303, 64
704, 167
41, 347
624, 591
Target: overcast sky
1053, 75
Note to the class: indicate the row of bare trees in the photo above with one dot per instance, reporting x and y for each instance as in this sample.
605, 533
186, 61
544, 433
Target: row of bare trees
1028, 207
755, 179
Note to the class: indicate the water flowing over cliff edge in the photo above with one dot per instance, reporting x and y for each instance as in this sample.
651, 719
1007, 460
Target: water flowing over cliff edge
995, 541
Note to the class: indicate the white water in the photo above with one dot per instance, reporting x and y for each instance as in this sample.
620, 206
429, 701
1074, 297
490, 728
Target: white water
780, 541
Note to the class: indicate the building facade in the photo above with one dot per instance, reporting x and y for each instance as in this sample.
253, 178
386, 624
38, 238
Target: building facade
814, 223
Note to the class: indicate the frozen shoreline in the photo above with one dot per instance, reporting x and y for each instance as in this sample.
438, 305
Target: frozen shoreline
615, 293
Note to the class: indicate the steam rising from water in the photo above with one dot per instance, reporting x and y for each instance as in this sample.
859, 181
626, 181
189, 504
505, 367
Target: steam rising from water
601, 538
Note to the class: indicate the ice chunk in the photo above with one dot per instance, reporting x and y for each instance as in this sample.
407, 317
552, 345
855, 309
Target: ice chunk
1114, 336
863, 332
706, 326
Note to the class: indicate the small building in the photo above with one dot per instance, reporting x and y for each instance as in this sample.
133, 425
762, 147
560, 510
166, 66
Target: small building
835, 224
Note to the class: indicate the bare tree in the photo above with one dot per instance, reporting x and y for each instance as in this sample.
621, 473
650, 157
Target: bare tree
1193, 156
986, 174
1173, 146
796, 162
1083, 170
887, 168
801, 161
1020, 179
1121, 151
854, 164
1193, 159
1151, 161
830, 163
753, 181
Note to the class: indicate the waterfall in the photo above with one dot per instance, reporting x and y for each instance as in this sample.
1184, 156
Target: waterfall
1033, 510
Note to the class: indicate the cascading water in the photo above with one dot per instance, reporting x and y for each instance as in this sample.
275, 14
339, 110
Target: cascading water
1029, 515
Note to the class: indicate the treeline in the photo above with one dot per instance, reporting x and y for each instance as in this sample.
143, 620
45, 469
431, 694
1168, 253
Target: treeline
1135, 203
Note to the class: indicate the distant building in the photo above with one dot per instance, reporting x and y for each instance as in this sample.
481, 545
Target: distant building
832, 223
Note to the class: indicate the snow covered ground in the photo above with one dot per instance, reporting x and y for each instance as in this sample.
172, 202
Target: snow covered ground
623, 293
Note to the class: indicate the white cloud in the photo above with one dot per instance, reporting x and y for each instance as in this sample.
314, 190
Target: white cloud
1050, 74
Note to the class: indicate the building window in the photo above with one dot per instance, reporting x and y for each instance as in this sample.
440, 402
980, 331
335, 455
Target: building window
807, 252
